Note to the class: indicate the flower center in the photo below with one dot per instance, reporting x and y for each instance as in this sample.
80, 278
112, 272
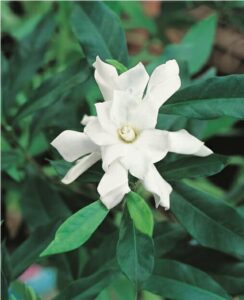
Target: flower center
127, 134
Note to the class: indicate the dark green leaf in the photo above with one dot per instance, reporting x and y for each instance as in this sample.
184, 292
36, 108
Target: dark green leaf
99, 32
77, 229
41, 202
213, 98
28, 58
28, 252
140, 213
231, 277
212, 222
191, 167
88, 288
167, 237
174, 280
135, 251
55, 87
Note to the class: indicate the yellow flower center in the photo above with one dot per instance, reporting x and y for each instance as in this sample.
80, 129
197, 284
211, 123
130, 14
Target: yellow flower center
127, 134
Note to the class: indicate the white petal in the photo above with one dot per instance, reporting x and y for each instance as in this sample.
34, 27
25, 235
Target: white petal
115, 197
183, 142
106, 77
135, 161
98, 135
104, 116
73, 144
134, 81
161, 189
153, 144
144, 115
111, 153
115, 176
163, 83
80, 167
120, 108
86, 119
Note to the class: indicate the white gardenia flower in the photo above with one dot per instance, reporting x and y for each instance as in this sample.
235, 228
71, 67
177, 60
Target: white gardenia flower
123, 133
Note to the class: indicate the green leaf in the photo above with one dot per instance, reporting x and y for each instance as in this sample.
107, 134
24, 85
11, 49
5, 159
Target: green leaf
212, 98
99, 32
28, 252
55, 87
167, 237
174, 280
89, 287
231, 277
134, 251
192, 167
120, 67
200, 38
212, 222
77, 229
21, 291
41, 202
120, 289
27, 59
140, 213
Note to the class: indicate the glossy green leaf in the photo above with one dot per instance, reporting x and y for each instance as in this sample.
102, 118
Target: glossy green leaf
55, 87
77, 229
89, 287
212, 222
192, 167
213, 98
200, 38
174, 280
140, 213
28, 252
135, 251
99, 32
22, 291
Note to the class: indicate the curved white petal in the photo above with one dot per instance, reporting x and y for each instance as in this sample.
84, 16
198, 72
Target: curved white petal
98, 135
163, 83
104, 116
86, 119
73, 144
183, 142
111, 153
106, 77
134, 81
80, 167
161, 189
153, 144
115, 176
115, 197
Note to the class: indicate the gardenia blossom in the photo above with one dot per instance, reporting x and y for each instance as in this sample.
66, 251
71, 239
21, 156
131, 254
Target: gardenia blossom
123, 133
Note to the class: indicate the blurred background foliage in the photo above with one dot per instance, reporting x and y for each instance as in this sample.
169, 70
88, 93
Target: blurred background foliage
48, 85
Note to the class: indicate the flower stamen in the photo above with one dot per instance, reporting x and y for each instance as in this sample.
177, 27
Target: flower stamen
127, 134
